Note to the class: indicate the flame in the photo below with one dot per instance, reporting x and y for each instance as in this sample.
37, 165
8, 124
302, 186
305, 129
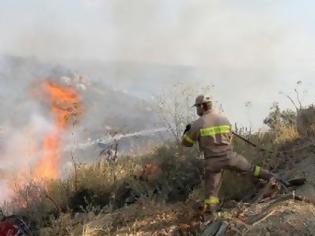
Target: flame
65, 107
47, 165
64, 102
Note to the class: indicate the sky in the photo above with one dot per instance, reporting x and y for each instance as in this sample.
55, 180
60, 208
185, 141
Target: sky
271, 41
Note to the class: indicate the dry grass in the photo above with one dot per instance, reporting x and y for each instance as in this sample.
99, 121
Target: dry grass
138, 195
100, 188
286, 134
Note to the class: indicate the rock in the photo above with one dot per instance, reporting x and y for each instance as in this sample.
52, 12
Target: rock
214, 228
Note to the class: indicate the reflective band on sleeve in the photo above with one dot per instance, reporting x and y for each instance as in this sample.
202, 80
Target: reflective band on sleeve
188, 139
212, 200
257, 171
212, 131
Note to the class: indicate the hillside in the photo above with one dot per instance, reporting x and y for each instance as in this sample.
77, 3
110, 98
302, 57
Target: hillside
160, 194
104, 106
105, 111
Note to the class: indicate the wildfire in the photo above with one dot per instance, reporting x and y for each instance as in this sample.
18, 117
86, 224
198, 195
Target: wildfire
64, 102
65, 107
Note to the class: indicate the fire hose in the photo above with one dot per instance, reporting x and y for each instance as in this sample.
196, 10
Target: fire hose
291, 182
286, 183
251, 143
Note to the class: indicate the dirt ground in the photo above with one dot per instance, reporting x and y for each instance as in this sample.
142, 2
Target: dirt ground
289, 217
269, 216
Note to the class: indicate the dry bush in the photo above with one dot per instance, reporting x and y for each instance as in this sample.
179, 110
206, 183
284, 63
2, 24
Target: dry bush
263, 140
286, 134
105, 185
38, 202
174, 107
305, 122
235, 184
65, 207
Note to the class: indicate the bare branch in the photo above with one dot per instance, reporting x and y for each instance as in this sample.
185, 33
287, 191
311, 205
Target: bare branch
291, 100
298, 98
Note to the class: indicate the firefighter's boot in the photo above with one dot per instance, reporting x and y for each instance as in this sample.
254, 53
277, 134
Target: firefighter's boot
211, 206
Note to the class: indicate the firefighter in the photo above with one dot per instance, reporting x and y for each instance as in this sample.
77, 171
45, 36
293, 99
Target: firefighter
213, 133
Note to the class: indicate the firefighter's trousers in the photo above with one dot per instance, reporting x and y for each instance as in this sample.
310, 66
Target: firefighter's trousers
214, 167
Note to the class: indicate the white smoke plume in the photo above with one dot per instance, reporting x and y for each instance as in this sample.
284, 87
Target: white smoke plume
249, 50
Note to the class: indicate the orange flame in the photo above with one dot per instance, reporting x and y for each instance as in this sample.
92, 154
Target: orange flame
64, 102
65, 106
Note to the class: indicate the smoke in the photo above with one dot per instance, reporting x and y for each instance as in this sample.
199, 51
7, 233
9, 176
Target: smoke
24, 120
249, 50
27, 122
219, 34
246, 49
20, 139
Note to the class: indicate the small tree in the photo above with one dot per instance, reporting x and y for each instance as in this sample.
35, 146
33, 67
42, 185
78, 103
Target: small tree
174, 108
299, 94
278, 118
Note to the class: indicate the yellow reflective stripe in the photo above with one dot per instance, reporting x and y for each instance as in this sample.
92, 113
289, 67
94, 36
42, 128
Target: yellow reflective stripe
212, 131
257, 171
212, 200
188, 139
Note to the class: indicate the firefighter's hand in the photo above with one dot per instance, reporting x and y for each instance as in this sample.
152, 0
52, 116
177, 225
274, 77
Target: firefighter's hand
188, 127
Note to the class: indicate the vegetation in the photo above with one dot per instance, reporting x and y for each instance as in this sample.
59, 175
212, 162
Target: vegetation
149, 193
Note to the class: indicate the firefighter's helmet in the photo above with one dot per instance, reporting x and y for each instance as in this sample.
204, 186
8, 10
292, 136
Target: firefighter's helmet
201, 99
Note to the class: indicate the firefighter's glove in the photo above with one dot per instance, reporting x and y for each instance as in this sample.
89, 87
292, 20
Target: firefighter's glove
188, 127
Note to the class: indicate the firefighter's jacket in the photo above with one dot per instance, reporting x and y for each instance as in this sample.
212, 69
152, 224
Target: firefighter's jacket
213, 133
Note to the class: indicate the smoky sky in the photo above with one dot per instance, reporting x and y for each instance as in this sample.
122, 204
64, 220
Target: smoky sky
250, 50
202, 33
